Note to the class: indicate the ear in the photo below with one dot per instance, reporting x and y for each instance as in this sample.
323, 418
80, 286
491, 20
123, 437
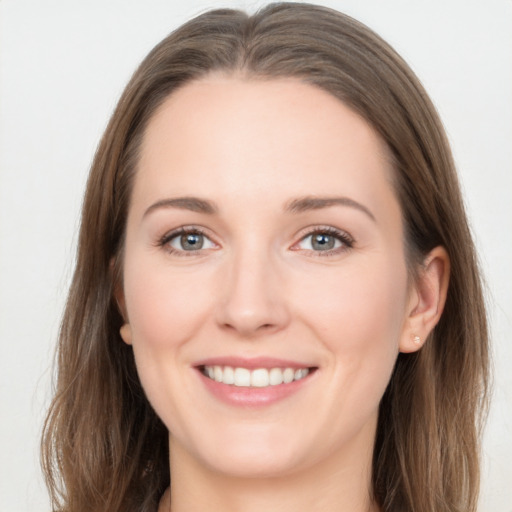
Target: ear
427, 300
125, 331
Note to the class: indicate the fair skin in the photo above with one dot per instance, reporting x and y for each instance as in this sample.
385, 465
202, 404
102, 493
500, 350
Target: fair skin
264, 233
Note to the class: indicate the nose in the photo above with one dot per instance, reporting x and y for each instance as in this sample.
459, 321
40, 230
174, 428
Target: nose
253, 298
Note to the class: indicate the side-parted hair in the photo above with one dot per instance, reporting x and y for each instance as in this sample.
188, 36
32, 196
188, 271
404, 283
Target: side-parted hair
104, 449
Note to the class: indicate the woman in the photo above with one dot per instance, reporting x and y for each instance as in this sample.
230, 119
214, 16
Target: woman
276, 299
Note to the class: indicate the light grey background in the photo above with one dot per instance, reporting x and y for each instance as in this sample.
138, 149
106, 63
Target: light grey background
63, 64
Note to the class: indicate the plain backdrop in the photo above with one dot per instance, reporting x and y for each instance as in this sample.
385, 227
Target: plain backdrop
64, 63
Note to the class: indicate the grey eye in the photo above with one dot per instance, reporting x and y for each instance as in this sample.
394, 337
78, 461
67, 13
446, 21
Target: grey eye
320, 241
191, 242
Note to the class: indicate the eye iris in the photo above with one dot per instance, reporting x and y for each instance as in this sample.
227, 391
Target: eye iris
322, 242
192, 241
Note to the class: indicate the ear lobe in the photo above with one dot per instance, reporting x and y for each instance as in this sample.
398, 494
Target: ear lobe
126, 333
427, 300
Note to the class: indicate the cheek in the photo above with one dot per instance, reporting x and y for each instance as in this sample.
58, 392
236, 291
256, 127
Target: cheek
359, 316
163, 307
364, 303
166, 309
359, 319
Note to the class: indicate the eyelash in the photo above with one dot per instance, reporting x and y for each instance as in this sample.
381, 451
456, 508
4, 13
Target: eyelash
346, 240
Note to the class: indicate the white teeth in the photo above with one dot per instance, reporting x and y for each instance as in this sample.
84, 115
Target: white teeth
242, 377
228, 375
288, 375
276, 376
258, 378
300, 374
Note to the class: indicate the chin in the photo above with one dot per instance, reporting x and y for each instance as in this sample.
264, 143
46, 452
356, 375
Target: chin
246, 454
261, 465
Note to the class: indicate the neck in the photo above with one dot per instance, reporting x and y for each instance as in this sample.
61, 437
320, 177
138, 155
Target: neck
329, 486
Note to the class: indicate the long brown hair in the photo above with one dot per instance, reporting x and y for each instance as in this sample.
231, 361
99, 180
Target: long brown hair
104, 448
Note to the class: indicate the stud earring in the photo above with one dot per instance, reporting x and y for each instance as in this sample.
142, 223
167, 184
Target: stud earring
417, 340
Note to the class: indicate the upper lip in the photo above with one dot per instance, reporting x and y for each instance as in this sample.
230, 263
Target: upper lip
251, 363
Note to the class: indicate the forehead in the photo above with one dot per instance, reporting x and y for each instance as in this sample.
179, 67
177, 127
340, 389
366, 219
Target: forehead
226, 137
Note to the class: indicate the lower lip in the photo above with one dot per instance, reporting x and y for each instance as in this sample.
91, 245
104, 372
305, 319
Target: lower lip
252, 396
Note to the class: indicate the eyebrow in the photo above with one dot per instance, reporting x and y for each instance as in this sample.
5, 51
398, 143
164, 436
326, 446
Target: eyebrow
193, 204
299, 205
316, 203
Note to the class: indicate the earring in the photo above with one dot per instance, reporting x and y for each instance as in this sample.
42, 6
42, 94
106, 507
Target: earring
417, 340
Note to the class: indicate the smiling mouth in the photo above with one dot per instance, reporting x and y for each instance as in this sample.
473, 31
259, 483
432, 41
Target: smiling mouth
254, 378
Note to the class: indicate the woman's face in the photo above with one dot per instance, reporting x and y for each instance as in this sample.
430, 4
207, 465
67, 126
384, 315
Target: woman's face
265, 285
